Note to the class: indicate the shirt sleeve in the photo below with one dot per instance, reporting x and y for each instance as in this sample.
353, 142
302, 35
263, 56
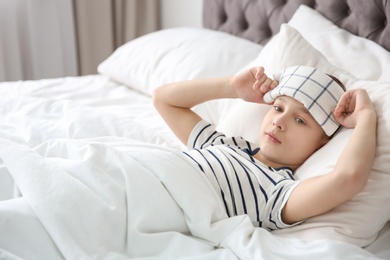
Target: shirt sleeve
276, 203
205, 134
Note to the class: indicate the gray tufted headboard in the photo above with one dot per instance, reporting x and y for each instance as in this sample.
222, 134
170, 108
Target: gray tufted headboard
259, 20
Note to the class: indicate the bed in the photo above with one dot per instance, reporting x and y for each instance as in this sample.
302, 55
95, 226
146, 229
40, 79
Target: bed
77, 179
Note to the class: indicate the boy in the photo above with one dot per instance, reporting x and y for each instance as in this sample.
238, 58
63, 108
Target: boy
308, 107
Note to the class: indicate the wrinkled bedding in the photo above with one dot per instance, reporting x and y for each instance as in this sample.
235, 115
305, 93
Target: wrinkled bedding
118, 198
94, 180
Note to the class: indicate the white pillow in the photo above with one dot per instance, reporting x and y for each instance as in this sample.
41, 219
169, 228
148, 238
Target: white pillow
287, 49
359, 220
177, 54
363, 58
386, 74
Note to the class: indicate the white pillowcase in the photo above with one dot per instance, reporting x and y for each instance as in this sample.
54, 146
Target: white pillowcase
386, 74
361, 57
359, 220
177, 54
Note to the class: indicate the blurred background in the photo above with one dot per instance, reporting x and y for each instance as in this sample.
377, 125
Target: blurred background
57, 38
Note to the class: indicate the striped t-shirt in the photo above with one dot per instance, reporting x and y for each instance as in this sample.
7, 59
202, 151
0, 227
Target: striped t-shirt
244, 184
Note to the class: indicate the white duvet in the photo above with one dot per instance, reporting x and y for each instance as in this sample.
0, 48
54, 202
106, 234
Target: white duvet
93, 186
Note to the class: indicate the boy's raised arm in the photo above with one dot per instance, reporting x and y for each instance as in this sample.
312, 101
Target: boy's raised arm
317, 195
174, 101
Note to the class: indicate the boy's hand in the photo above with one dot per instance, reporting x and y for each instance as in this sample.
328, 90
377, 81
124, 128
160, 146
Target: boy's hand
351, 105
252, 84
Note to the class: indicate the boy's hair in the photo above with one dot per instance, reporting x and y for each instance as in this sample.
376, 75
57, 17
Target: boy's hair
345, 89
338, 82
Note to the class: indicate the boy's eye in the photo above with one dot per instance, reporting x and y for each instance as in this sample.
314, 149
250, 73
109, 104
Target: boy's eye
300, 121
278, 108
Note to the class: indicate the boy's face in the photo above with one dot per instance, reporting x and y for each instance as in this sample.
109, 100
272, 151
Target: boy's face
289, 134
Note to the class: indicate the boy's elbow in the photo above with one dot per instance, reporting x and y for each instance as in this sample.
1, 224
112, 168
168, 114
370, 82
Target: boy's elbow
156, 96
355, 181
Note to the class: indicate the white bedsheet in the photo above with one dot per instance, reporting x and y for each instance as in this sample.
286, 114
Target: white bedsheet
75, 108
89, 190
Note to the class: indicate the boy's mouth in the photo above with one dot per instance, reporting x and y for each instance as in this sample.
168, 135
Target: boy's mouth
272, 138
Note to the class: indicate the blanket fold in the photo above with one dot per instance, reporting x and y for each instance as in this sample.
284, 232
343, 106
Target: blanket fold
101, 197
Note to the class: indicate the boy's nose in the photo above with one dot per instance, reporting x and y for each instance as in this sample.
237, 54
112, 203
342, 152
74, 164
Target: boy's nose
279, 122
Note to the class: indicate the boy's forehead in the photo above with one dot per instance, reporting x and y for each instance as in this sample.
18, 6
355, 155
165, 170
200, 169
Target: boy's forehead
290, 100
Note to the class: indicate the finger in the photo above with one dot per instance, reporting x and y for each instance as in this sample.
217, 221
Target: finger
338, 115
254, 72
343, 102
259, 73
346, 104
256, 85
263, 78
274, 84
339, 109
265, 87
